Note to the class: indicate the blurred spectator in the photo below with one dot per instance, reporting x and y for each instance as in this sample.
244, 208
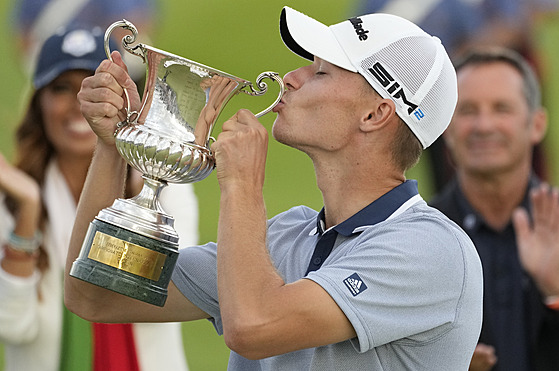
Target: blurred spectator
38, 198
35, 20
498, 121
461, 24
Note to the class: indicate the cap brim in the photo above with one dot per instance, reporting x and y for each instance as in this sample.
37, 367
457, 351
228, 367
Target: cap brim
58, 69
308, 38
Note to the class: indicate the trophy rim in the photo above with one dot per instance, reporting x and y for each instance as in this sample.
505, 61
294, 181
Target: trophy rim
242, 81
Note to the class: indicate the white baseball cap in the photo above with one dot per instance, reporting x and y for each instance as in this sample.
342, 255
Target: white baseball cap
400, 61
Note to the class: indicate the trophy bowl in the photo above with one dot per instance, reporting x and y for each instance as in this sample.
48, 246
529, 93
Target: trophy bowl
131, 247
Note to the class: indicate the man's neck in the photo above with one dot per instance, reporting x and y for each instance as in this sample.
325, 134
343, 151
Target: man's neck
496, 196
346, 195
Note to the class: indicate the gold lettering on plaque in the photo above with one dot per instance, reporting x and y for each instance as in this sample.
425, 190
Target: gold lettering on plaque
126, 256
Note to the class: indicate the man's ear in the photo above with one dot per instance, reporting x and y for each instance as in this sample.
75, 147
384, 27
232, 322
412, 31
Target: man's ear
379, 115
539, 126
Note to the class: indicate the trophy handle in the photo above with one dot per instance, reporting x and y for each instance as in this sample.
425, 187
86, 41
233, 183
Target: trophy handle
131, 116
263, 88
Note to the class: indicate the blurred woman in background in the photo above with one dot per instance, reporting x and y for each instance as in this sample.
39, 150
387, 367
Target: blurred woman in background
38, 198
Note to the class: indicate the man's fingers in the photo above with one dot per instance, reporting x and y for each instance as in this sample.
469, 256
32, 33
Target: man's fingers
538, 198
123, 78
521, 225
545, 207
242, 119
103, 79
537, 241
554, 212
117, 71
117, 58
106, 88
245, 116
98, 100
529, 255
99, 109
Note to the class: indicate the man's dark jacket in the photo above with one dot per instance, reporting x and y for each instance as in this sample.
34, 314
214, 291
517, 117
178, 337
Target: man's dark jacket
541, 331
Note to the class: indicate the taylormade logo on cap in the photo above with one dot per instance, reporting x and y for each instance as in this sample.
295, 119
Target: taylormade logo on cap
398, 59
358, 25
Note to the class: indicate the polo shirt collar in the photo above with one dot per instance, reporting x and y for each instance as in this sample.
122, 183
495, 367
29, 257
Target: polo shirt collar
391, 203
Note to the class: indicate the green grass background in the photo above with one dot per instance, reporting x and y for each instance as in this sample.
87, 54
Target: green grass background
239, 37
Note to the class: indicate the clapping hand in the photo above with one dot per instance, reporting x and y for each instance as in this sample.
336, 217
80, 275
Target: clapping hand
538, 239
19, 186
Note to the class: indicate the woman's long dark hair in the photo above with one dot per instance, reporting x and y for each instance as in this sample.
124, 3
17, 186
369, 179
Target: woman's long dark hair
33, 151
33, 148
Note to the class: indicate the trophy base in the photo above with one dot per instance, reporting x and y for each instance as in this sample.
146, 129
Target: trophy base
126, 262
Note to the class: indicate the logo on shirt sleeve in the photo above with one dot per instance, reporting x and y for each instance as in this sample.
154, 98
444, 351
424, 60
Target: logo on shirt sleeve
355, 284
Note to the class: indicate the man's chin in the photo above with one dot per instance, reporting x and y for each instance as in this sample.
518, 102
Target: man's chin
486, 170
279, 135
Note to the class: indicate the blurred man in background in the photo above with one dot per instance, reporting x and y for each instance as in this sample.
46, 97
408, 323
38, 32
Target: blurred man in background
498, 121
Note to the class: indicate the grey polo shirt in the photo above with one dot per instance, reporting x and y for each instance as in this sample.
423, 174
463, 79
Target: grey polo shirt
408, 279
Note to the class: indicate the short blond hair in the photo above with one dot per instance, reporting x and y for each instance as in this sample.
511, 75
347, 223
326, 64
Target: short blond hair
406, 148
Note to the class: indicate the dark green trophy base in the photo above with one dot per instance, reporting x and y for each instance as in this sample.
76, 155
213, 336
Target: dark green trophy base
141, 287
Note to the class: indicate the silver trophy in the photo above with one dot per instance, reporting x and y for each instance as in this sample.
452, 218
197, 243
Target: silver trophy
131, 247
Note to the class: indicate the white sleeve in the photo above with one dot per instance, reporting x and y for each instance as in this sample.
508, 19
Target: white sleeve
19, 321
18, 295
179, 201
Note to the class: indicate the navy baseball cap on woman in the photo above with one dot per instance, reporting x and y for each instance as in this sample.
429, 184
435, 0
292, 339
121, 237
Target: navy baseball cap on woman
70, 49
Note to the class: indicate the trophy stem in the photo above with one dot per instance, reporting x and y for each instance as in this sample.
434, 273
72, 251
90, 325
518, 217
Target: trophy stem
149, 195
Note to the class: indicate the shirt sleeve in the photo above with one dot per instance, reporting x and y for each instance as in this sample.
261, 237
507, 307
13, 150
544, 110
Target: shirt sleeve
195, 275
